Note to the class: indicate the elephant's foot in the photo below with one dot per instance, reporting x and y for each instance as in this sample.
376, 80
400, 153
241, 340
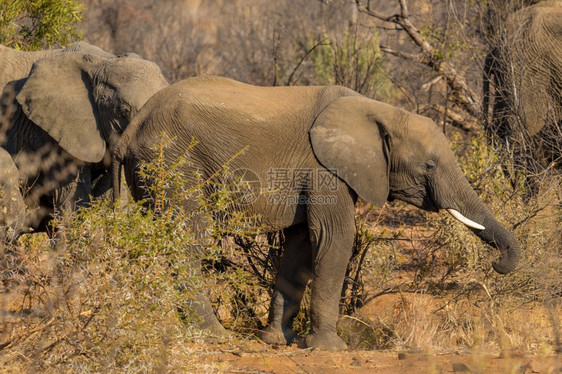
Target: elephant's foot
214, 331
214, 328
201, 317
272, 335
326, 341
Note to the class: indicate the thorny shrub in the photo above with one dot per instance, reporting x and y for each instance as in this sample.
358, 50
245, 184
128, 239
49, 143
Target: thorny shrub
105, 292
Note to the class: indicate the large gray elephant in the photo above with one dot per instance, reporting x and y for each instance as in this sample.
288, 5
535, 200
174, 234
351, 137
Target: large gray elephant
64, 116
314, 150
523, 80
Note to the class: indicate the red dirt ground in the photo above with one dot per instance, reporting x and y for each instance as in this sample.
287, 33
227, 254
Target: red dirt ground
260, 358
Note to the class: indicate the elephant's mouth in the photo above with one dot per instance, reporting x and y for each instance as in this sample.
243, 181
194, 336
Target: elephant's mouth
429, 205
417, 199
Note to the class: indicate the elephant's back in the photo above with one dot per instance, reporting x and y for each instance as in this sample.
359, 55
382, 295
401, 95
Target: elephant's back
258, 127
217, 107
15, 65
542, 20
216, 98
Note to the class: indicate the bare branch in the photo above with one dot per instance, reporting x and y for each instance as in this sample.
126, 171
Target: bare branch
417, 57
461, 93
320, 43
367, 10
457, 119
404, 8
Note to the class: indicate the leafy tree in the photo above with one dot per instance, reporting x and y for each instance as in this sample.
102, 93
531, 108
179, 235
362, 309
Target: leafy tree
36, 24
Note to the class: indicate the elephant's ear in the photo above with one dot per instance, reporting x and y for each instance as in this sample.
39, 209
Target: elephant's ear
346, 138
57, 97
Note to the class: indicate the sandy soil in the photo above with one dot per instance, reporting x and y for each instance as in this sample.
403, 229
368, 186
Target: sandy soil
259, 358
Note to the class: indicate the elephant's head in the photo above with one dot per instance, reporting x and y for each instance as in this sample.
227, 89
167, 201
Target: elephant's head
82, 99
384, 153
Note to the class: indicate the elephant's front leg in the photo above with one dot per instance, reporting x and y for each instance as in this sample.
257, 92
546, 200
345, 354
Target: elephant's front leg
294, 274
332, 235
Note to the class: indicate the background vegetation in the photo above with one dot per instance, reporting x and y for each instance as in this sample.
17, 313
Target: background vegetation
39, 24
104, 294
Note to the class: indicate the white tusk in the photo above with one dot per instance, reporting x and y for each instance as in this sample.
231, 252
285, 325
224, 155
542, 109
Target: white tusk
465, 220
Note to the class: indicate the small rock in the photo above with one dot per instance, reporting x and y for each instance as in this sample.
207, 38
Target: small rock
460, 367
402, 356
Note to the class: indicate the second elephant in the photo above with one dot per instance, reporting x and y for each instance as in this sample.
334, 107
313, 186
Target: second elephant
62, 120
310, 152
523, 81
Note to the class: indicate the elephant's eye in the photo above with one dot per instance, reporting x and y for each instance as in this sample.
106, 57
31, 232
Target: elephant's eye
430, 165
124, 110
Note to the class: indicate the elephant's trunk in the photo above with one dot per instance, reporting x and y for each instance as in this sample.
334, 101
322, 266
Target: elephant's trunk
487, 228
497, 236
118, 153
467, 207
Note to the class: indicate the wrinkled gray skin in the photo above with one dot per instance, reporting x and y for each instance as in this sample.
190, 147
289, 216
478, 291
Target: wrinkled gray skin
523, 81
15, 64
378, 152
63, 119
12, 207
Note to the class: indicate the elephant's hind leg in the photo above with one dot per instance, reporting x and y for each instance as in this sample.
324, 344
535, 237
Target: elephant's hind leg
199, 311
294, 273
197, 308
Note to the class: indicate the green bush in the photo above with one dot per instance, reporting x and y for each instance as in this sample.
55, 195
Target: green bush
37, 24
355, 62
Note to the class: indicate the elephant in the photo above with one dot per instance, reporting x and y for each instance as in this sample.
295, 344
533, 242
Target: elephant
12, 207
312, 151
62, 120
524, 68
